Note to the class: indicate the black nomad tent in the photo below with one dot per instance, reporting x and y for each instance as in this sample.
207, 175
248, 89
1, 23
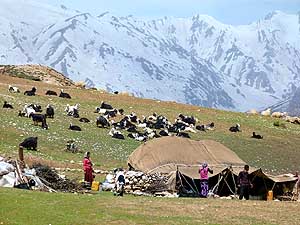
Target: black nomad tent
180, 158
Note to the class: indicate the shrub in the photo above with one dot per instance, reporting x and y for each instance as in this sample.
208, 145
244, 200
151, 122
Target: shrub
279, 124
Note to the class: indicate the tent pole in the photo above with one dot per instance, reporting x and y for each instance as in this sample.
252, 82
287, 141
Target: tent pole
217, 185
189, 184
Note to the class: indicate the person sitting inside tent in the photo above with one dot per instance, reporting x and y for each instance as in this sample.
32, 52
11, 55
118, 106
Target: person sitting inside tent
244, 183
88, 168
203, 170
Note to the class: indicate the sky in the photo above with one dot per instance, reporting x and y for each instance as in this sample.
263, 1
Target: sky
235, 12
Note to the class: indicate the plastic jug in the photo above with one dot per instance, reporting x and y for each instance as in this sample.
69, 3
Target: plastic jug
270, 196
95, 186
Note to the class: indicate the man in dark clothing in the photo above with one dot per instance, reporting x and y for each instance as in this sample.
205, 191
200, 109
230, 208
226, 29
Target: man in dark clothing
244, 183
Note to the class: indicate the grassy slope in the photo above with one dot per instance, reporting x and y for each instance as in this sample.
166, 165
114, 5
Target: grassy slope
277, 152
47, 208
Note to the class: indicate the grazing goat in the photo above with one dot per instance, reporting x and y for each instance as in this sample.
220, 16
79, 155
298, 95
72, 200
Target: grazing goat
29, 143
13, 89
187, 119
39, 118
36, 107
21, 114
116, 134
104, 105
111, 113
266, 112
74, 127
64, 94
72, 110
133, 117
28, 111
84, 120
138, 136
31, 92
50, 111
279, 114
182, 134
257, 136
206, 127
252, 112
103, 121
49, 92
7, 105
164, 133
235, 128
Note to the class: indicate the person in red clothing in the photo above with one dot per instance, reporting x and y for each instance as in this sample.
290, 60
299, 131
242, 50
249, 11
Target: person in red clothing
88, 168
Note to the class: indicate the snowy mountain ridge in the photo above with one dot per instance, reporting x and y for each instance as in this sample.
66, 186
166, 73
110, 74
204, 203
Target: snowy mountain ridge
194, 60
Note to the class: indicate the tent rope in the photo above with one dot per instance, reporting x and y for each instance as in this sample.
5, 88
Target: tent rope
218, 183
188, 183
235, 187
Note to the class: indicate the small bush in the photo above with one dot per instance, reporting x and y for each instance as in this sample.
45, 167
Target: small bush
279, 124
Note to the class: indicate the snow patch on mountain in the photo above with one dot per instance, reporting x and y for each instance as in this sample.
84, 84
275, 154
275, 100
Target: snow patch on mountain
194, 60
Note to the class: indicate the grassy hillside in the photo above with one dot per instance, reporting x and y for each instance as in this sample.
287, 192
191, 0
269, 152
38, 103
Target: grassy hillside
103, 208
277, 152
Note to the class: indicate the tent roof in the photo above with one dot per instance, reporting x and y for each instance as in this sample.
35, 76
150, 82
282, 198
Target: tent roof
168, 154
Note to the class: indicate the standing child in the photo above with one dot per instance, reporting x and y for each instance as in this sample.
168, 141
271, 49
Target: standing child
203, 170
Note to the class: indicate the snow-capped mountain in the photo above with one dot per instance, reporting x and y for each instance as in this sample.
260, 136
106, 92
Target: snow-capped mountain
193, 60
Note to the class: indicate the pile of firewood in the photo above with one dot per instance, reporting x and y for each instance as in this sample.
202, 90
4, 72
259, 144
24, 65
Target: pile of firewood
148, 183
52, 179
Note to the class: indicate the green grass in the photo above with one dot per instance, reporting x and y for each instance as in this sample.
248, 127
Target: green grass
28, 207
276, 153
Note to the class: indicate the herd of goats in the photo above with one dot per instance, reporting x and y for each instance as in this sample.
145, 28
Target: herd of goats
153, 126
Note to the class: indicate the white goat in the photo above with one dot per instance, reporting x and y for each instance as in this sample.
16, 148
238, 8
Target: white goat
13, 89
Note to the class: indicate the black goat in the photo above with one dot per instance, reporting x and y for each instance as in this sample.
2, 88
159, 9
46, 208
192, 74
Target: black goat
31, 92
64, 94
183, 134
164, 133
116, 134
49, 92
257, 136
235, 128
21, 114
74, 127
104, 105
49, 111
29, 143
39, 118
103, 121
112, 113
84, 120
7, 105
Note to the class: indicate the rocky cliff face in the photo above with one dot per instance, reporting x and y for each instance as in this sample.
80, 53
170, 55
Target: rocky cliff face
194, 60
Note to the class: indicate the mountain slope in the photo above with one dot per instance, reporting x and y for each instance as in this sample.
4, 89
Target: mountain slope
194, 60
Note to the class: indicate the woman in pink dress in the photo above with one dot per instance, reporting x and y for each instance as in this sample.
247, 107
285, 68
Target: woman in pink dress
88, 169
203, 171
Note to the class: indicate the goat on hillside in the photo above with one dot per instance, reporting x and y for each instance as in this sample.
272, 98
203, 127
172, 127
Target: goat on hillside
31, 92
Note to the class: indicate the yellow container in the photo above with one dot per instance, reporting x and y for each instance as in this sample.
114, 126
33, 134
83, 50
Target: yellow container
270, 196
95, 186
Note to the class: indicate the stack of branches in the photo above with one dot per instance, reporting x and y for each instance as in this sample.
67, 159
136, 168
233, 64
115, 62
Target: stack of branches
51, 178
158, 185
